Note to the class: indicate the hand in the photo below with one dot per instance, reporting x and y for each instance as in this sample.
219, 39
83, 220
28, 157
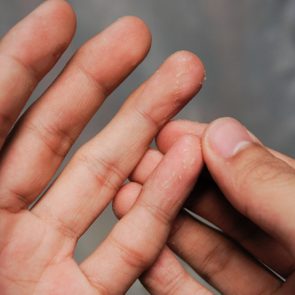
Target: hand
37, 244
251, 201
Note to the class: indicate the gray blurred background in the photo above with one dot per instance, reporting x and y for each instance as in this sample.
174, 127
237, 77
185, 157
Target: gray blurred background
248, 48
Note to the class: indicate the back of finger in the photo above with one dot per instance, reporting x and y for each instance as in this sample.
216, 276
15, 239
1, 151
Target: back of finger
208, 202
257, 183
219, 260
138, 238
175, 129
27, 53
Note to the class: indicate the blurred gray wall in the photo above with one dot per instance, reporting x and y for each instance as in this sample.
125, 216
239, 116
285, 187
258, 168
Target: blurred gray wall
248, 48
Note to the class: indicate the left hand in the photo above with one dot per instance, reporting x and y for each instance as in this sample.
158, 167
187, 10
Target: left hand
37, 244
251, 200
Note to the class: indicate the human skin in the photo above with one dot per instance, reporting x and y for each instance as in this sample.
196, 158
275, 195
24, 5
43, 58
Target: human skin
248, 194
37, 244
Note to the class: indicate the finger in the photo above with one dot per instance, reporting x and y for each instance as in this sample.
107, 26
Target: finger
219, 260
175, 129
258, 184
28, 52
146, 166
213, 256
46, 132
97, 171
282, 157
167, 136
208, 202
149, 221
166, 275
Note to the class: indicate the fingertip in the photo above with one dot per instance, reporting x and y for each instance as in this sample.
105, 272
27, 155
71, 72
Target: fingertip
175, 129
125, 198
137, 33
40, 38
188, 151
146, 166
191, 144
190, 72
139, 25
68, 15
124, 44
171, 87
61, 14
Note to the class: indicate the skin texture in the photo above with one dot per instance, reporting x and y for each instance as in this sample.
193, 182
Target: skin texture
246, 191
37, 244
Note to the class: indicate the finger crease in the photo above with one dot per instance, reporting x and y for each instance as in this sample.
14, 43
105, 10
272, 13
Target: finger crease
175, 282
106, 173
148, 118
156, 212
103, 89
217, 259
58, 141
21, 199
34, 75
132, 257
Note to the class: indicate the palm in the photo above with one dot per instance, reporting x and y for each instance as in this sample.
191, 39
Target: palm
38, 259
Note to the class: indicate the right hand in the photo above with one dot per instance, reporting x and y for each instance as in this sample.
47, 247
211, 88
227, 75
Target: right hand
248, 194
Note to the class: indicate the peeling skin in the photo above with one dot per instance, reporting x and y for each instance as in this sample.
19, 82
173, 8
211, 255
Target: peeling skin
168, 182
188, 163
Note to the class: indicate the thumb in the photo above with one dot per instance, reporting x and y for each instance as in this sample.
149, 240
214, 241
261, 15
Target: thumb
258, 184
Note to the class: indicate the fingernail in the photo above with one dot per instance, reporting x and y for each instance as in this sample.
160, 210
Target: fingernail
227, 137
